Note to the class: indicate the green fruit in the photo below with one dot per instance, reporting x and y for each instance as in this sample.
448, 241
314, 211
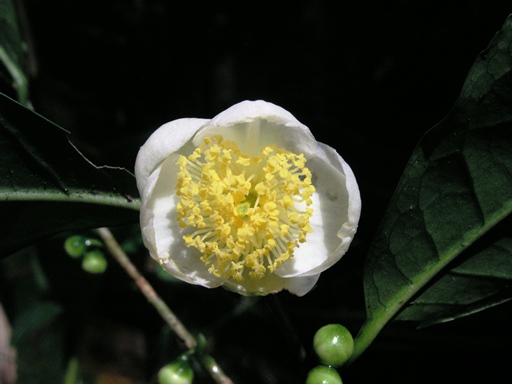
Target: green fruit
75, 246
333, 344
323, 375
177, 372
93, 243
94, 262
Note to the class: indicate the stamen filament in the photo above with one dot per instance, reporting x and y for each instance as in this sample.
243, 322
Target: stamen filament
248, 212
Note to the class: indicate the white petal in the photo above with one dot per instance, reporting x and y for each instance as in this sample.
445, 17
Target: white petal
162, 234
256, 124
301, 285
351, 211
270, 283
349, 228
336, 209
167, 139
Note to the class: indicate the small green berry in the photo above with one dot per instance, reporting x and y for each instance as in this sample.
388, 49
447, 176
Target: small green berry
323, 375
176, 372
90, 242
94, 262
75, 246
333, 344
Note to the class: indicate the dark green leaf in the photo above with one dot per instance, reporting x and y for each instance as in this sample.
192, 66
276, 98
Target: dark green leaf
12, 51
38, 336
456, 188
38, 328
46, 186
39, 315
479, 281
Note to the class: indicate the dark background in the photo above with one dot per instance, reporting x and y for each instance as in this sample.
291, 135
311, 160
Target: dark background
369, 78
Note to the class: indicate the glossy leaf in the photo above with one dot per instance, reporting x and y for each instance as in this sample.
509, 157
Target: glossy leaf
480, 281
38, 324
46, 185
12, 52
439, 251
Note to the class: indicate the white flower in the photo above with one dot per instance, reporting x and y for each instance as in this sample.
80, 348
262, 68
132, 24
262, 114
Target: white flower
248, 200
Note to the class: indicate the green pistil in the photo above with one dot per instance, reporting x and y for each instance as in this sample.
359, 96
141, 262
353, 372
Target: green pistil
249, 202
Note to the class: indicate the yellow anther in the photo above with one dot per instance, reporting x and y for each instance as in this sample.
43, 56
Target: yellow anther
241, 210
244, 161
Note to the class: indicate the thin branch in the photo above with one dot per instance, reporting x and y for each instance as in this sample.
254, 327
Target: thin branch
176, 325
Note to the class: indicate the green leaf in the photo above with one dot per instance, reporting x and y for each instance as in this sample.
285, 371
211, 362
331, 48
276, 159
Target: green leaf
13, 50
38, 324
47, 186
439, 249
481, 281
39, 315
39, 339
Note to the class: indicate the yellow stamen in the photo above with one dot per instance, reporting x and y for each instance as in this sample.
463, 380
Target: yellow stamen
249, 213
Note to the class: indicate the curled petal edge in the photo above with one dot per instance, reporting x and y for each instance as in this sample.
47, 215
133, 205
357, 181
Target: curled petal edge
327, 244
167, 139
349, 228
255, 124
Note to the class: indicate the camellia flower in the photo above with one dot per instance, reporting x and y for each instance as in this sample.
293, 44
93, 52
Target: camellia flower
248, 200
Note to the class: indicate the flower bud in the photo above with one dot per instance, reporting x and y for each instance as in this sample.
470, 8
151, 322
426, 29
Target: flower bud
176, 372
333, 344
94, 262
75, 246
90, 242
323, 375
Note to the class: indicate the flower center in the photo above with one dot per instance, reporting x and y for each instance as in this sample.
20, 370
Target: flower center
249, 213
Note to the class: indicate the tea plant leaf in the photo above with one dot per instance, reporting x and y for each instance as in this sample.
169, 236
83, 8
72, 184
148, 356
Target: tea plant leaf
12, 51
46, 186
443, 247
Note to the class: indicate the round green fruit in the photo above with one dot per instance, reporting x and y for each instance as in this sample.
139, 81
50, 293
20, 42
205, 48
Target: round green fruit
333, 344
177, 372
323, 375
75, 246
94, 262
90, 242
